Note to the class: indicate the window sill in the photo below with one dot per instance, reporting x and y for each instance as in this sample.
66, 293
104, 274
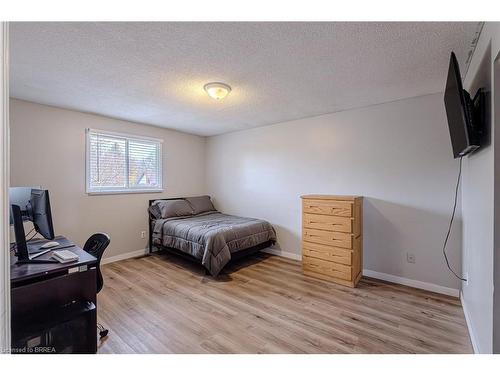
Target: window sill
114, 192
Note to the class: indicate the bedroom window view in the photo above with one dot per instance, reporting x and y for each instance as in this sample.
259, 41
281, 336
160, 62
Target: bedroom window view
118, 163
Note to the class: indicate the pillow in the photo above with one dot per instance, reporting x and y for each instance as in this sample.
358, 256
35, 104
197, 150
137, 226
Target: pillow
171, 208
201, 204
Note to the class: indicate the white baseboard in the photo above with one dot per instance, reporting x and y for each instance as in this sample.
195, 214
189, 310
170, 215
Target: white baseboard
281, 253
130, 254
472, 336
413, 283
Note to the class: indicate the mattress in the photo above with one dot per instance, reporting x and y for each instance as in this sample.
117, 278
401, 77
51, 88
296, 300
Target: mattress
212, 237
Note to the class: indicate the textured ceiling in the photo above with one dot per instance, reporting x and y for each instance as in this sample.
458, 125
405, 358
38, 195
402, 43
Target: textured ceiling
154, 73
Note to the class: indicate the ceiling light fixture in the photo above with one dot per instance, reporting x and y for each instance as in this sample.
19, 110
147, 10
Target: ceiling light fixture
217, 90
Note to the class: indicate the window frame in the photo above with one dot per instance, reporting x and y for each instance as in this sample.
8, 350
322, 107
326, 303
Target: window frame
127, 137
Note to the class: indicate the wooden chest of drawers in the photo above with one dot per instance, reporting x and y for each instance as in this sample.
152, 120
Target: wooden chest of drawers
332, 238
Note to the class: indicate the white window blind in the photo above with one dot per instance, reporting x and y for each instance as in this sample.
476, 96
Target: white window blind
122, 163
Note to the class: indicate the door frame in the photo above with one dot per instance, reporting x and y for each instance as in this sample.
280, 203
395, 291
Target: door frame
4, 188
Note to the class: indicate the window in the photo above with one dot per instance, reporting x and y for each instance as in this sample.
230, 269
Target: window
118, 163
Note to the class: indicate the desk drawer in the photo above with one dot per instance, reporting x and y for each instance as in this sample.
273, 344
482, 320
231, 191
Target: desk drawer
56, 291
328, 222
328, 253
323, 267
324, 237
327, 207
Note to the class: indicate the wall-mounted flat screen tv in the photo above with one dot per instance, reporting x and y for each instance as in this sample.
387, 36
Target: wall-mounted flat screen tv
460, 112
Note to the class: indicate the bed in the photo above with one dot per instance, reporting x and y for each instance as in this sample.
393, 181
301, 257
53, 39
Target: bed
193, 228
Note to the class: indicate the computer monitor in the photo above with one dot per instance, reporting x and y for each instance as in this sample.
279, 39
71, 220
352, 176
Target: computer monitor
22, 250
20, 196
39, 207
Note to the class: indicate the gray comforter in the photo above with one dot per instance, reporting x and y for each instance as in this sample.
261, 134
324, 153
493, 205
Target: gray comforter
212, 236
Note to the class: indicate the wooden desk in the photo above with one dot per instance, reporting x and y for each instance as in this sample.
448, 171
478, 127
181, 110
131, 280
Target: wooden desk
46, 295
21, 272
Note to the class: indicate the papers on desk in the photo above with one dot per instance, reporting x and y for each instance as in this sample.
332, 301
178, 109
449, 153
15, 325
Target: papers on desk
64, 256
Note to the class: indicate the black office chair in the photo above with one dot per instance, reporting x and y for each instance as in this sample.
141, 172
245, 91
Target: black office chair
95, 246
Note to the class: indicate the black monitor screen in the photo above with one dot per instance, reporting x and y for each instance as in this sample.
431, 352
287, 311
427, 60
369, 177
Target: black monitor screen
20, 196
455, 109
42, 217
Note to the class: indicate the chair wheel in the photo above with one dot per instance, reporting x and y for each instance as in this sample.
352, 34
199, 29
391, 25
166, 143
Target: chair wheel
103, 333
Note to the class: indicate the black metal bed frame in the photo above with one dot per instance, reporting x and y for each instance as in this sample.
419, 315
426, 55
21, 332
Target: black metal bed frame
234, 256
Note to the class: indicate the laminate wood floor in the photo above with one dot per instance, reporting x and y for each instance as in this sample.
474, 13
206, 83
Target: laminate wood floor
264, 304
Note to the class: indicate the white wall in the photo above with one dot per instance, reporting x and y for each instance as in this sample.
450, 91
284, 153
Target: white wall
48, 149
478, 205
398, 155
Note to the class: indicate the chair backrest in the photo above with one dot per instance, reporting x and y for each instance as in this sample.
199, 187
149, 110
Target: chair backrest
95, 246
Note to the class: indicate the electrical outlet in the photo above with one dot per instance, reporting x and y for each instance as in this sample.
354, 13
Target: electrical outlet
143, 234
410, 258
466, 277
